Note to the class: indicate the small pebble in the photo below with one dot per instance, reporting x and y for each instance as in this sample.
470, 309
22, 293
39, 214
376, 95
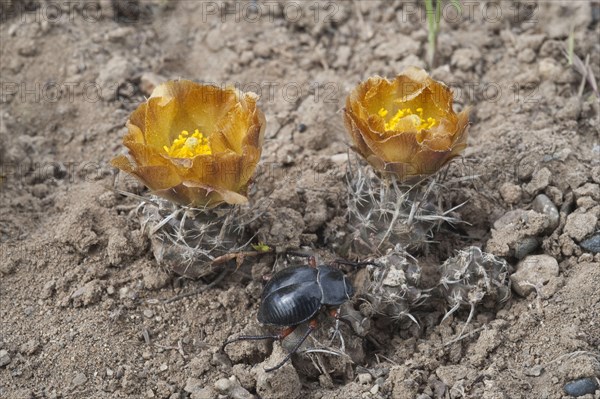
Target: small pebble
148, 313
223, 385
580, 225
79, 379
232, 388
525, 246
535, 371
582, 386
365, 379
591, 244
543, 204
539, 181
123, 291
4, 358
534, 271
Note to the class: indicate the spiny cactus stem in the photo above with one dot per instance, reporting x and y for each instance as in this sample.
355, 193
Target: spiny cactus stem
451, 311
165, 221
392, 222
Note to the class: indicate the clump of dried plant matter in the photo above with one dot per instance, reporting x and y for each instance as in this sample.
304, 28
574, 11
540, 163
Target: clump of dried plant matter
473, 277
393, 286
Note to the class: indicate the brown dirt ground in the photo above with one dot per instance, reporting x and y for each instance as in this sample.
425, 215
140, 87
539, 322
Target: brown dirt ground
80, 292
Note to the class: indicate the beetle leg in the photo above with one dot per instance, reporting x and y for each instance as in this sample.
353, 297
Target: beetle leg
312, 325
335, 313
275, 337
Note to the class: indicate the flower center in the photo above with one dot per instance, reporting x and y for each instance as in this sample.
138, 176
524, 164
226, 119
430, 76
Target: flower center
186, 146
419, 122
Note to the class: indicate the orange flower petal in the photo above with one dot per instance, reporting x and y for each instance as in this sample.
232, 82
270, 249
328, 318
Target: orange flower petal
229, 119
414, 147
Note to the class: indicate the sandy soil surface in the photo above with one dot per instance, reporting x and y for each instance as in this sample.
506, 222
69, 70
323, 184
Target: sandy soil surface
81, 295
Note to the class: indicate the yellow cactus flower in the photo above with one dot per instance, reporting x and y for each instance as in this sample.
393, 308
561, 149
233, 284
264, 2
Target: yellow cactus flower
405, 127
195, 144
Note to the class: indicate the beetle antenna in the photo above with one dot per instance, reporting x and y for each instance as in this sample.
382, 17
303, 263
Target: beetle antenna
311, 327
249, 338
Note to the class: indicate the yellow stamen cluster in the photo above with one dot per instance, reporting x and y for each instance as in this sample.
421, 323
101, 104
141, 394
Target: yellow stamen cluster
186, 146
420, 122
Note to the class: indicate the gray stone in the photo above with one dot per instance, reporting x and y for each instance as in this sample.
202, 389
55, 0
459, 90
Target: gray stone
591, 244
539, 181
4, 358
580, 225
525, 246
582, 386
223, 385
365, 379
232, 388
79, 379
543, 204
535, 271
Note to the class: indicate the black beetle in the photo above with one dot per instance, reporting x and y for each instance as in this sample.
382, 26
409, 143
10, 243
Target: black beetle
295, 295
